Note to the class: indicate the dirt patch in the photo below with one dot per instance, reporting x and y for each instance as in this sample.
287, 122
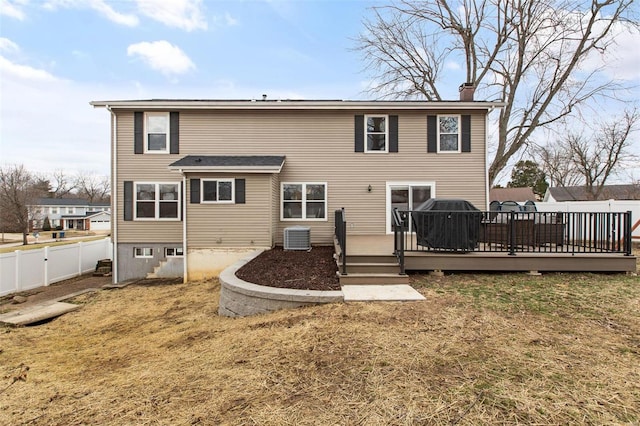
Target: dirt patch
53, 291
305, 270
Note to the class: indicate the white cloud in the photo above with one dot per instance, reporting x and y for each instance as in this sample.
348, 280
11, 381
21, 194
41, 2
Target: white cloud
99, 6
12, 9
619, 61
8, 68
225, 20
183, 14
8, 46
162, 56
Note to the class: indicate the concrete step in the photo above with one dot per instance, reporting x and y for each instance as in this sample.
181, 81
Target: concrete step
372, 268
368, 279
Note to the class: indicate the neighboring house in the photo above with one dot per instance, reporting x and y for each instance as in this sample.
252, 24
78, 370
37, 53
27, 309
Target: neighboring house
579, 193
199, 183
72, 213
519, 195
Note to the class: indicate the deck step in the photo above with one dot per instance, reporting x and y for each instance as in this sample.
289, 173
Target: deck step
372, 268
373, 279
371, 258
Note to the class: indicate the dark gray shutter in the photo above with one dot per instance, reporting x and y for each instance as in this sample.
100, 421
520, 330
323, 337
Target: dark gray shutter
128, 200
359, 133
240, 191
393, 133
138, 132
174, 133
432, 133
465, 129
195, 191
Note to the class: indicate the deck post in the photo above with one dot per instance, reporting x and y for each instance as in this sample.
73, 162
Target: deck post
627, 233
512, 233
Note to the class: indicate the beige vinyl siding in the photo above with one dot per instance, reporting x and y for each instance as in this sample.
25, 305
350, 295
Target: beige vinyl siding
142, 168
319, 147
232, 225
275, 206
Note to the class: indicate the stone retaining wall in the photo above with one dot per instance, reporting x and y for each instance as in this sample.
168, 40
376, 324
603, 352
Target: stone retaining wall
239, 298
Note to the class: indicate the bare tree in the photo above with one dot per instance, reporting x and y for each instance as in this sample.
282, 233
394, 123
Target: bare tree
18, 193
525, 53
556, 162
61, 184
592, 156
93, 187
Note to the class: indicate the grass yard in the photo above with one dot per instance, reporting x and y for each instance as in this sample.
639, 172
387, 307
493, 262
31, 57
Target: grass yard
482, 349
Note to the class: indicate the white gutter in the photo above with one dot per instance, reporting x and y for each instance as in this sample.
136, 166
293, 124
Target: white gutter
332, 105
114, 192
184, 228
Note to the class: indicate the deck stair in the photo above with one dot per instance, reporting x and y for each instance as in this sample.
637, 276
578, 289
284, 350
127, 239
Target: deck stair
374, 269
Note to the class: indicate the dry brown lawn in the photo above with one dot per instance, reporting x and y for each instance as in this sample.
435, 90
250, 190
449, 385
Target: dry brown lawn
485, 349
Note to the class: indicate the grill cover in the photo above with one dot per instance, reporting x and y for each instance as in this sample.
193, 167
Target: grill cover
447, 224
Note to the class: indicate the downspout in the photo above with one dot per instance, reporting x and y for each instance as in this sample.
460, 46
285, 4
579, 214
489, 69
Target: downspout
184, 228
114, 192
486, 157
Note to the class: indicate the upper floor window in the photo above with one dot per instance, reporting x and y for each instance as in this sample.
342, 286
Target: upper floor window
306, 201
70, 210
376, 133
156, 132
160, 201
217, 191
448, 133
54, 210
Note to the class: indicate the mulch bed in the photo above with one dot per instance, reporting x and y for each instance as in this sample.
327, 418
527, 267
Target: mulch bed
312, 270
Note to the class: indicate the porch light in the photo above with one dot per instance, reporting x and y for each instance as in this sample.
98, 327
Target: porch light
369, 188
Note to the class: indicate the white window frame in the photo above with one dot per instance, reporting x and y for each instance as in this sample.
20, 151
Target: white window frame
175, 252
217, 201
304, 202
385, 133
146, 133
392, 184
53, 210
143, 252
156, 202
459, 118
70, 210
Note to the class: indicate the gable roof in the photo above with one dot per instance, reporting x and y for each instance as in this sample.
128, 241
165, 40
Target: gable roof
62, 202
511, 194
289, 104
579, 193
230, 163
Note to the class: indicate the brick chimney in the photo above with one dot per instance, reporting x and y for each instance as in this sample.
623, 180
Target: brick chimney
466, 92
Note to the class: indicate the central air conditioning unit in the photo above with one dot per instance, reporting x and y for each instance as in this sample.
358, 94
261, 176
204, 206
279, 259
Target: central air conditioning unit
297, 238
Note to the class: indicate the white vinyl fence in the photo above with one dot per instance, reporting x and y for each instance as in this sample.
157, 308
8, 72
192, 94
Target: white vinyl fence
597, 207
28, 269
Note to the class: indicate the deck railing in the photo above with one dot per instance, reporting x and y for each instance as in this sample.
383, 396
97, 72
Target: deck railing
511, 232
341, 235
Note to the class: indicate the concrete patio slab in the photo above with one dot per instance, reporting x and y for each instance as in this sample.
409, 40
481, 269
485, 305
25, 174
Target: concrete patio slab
37, 313
380, 293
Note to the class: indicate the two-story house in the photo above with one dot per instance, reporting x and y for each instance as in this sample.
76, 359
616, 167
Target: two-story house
71, 213
198, 183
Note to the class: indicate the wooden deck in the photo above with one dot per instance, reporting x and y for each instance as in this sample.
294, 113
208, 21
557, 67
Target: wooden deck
368, 254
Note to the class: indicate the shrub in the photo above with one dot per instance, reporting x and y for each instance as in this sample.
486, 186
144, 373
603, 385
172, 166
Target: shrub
46, 225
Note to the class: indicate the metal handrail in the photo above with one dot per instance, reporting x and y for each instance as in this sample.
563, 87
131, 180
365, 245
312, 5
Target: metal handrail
512, 232
340, 232
398, 238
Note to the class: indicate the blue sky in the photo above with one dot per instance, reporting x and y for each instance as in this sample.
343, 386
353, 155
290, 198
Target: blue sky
58, 55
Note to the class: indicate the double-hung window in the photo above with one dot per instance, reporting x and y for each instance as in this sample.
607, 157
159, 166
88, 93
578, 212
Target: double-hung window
448, 133
157, 201
144, 252
156, 132
304, 201
217, 191
376, 132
